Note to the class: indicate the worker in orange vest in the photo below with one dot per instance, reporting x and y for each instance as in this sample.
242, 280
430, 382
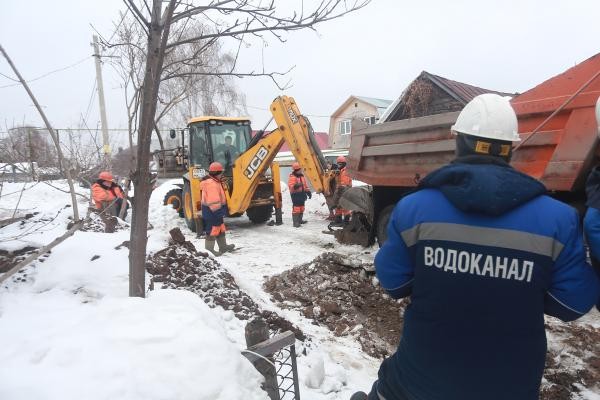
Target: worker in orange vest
299, 191
342, 216
107, 195
214, 209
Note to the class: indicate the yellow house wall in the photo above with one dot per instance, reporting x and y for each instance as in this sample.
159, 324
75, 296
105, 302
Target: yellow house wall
356, 108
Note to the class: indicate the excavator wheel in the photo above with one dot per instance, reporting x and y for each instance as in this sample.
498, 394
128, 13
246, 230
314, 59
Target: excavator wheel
260, 214
188, 211
174, 198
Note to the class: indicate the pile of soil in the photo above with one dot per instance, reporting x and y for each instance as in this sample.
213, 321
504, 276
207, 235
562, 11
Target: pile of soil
102, 223
340, 294
572, 362
180, 266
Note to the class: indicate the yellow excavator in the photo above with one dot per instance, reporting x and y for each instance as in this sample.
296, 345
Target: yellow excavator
251, 178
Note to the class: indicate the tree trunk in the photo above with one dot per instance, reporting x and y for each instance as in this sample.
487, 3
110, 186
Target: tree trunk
159, 32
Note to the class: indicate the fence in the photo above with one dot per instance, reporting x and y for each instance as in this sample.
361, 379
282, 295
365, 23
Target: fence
275, 359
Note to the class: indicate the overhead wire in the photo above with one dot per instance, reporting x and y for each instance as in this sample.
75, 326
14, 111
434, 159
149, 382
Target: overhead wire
47, 73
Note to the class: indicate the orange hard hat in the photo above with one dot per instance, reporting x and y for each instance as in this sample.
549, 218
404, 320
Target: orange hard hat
215, 167
105, 176
296, 166
340, 159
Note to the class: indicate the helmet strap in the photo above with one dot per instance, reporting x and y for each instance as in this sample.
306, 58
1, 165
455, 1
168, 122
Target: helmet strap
467, 145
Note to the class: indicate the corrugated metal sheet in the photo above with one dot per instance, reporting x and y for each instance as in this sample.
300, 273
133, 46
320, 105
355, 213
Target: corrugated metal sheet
461, 91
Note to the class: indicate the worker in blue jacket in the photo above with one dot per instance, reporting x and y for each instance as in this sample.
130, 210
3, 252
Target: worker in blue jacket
484, 254
591, 222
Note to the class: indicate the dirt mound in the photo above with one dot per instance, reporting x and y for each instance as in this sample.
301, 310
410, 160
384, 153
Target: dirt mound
340, 294
573, 360
180, 266
102, 223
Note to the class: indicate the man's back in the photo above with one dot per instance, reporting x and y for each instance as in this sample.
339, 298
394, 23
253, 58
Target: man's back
483, 255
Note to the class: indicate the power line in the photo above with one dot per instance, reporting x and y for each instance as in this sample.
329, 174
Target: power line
46, 74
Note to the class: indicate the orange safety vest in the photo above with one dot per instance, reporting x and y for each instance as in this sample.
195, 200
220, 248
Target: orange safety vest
345, 179
100, 194
293, 180
213, 195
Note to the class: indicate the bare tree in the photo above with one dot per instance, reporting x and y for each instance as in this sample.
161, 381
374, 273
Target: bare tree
53, 134
166, 60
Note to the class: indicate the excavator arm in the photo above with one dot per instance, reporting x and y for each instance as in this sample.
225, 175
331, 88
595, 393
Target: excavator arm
294, 129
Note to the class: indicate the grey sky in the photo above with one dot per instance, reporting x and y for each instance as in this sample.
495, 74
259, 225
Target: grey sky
502, 45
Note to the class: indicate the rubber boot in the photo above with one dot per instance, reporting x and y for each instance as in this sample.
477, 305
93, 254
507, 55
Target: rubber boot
296, 220
301, 220
209, 244
223, 246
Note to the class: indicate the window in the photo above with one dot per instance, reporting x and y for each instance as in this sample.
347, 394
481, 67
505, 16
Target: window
228, 141
345, 127
370, 120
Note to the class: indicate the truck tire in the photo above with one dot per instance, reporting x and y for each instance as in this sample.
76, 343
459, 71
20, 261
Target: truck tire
174, 198
260, 214
188, 210
382, 223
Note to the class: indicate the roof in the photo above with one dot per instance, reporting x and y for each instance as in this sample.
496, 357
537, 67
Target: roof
459, 90
209, 117
322, 140
380, 104
462, 92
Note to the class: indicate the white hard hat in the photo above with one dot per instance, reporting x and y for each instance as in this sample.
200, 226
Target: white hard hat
488, 116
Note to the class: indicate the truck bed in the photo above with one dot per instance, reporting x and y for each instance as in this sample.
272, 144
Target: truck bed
560, 154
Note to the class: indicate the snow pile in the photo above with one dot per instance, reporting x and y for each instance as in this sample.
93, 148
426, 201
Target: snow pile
127, 348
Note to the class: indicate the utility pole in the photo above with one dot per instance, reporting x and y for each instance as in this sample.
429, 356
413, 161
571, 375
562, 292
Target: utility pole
106, 147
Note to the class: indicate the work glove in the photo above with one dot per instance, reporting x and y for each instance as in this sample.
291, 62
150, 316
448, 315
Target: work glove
309, 195
297, 186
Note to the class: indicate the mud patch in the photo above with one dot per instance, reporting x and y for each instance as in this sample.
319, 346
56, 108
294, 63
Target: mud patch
180, 266
340, 294
10, 259
572, 362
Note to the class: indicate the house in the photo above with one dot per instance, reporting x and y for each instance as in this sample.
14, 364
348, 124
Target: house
431, 94
367, 108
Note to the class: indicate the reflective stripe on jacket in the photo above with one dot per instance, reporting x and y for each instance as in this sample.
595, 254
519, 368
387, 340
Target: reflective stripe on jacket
213, 195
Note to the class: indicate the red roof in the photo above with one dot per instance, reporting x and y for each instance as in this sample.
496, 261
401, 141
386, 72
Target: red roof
322, 139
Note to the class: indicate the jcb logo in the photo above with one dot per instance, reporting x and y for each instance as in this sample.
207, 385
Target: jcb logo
258, 158
292, 115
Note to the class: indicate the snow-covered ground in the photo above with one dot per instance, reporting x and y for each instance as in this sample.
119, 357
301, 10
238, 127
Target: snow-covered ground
69, 331
72, 332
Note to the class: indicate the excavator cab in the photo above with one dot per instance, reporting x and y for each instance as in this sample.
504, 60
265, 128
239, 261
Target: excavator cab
217, 139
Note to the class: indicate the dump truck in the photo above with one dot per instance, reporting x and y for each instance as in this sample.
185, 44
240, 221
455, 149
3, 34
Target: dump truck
251, 178
559, 147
